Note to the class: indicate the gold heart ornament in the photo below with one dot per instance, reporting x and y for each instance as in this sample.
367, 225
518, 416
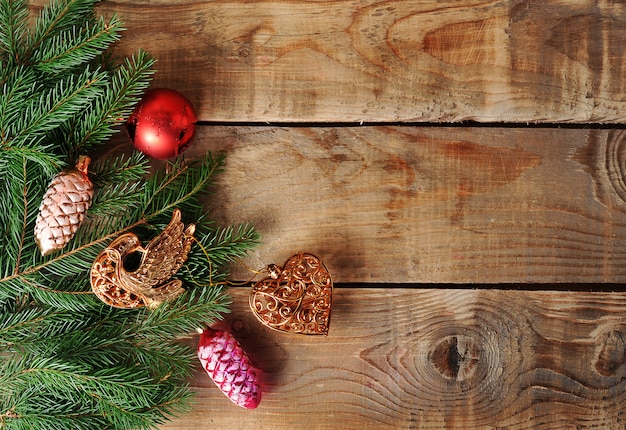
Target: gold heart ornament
296, 298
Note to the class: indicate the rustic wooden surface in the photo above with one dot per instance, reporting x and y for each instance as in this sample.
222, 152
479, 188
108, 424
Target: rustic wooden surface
434, 359
398, 208
355, 60
436, 204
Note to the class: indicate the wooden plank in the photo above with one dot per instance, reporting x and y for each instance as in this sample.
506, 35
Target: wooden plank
354, 60
434, 359
428, 204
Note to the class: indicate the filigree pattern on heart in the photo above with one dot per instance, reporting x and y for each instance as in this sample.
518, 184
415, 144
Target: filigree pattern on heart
296, 298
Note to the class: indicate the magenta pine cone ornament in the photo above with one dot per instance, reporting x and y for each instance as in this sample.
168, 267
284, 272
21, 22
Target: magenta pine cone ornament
228, 365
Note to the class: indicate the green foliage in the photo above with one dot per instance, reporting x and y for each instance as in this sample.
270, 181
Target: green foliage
69, 360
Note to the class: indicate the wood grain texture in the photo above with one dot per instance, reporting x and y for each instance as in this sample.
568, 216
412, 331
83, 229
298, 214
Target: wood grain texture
428, 204
434, 359
414, 205
380, 61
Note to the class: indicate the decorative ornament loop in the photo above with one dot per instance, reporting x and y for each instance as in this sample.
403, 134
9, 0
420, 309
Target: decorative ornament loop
296, 298
146, 285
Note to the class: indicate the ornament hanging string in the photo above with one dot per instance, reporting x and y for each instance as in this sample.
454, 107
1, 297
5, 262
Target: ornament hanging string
227, 282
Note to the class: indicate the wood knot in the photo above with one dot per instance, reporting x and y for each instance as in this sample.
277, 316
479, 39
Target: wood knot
244, 52
615, 159
605, 158
610, 352
456, 357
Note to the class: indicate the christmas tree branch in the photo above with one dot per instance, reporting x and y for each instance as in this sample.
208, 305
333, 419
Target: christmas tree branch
122, 169
101, 388
23, 210
73, 47
182, 315
13, 20
56, 105
126, 84
216, 250
18, 87
173, 189
57, 16
70, 360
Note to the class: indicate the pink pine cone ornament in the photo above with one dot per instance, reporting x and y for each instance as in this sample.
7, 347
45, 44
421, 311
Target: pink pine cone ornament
228, 365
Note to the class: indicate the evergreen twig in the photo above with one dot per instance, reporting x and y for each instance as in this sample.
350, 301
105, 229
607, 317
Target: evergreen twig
69, 360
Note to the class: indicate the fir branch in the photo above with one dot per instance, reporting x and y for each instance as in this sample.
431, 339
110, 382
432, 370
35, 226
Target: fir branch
47, 163
12, 287
124, 88
13, 31
14, 218
75, 46
69, 360
24, 212
16, 326
216, 248
164, 359
58, 16
182, 315
179, 187
108, 200
120, 169
231, 243
57, 297
11, 217
18, 87
73, 263
62, 378
35, 325
124, 397
102, 341
52, 415
56, 105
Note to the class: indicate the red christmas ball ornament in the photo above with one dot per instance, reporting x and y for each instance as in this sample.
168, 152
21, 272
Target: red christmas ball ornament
162, 124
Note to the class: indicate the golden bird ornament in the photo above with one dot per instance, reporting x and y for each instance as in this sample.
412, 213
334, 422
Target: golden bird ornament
149, 283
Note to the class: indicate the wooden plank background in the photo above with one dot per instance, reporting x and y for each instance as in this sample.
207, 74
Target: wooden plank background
415, 200
371, 60
429, 205
434, 359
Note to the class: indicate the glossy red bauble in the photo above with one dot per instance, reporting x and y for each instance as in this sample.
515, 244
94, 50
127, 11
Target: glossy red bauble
162, 124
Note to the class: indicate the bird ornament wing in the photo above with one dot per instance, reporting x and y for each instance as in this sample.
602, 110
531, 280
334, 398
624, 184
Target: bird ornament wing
162, 257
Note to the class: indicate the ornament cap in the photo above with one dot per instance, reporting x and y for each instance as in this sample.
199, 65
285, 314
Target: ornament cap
274, 270
82, 165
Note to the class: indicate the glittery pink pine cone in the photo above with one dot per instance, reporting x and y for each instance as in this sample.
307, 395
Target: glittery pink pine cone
228, 365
